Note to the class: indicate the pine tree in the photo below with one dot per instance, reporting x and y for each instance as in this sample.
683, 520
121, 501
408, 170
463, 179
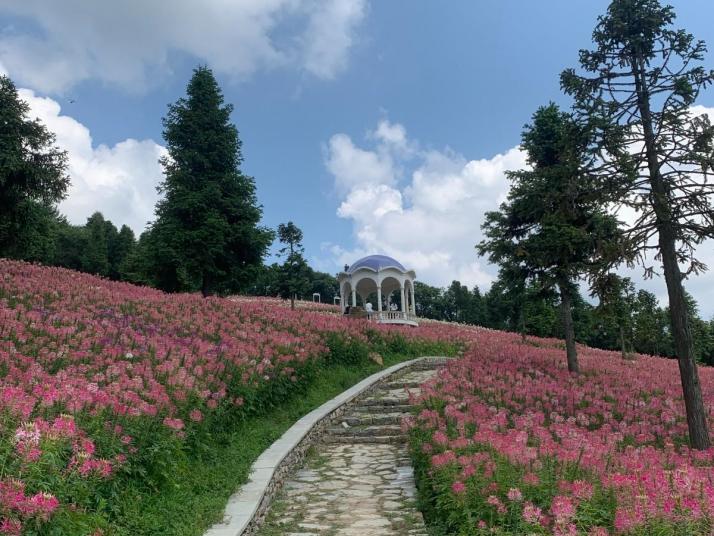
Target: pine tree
513, 280
121, 247
33, 177
206, 235
650, 324
617, 299
294, 271
477, 312
551, 229
635, 90
95, 257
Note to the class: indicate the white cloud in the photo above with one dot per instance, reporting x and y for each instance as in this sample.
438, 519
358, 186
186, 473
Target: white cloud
353, 167
430, 220
370, 202
330, 34
393, 138
119, 181
130, 43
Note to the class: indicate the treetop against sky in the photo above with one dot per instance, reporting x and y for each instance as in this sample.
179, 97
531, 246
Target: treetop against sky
375, 128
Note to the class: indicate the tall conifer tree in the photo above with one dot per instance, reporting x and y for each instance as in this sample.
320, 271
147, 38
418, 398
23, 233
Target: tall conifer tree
552, 228
33, 177
635, 89
206, 236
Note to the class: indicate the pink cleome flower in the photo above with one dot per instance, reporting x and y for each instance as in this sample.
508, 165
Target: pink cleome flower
532, 514
174, 424
458, 487
514, 495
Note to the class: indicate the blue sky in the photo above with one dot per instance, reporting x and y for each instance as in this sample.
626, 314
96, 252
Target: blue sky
376, 126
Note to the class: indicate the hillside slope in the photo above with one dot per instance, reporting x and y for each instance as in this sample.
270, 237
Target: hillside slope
105, 383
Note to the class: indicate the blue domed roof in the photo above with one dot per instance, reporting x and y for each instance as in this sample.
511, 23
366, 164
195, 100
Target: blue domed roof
376, 263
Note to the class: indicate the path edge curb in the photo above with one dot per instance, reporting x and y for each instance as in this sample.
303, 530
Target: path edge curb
247, 507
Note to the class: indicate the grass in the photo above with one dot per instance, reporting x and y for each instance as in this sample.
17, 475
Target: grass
200, 494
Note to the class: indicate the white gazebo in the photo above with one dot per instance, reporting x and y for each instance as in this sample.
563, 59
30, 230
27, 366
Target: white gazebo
381, 278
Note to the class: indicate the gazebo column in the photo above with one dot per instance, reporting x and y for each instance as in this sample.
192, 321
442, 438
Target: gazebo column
354, 297
403, 302
379, 298
413, 304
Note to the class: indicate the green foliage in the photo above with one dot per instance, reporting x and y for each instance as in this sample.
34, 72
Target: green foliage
552, 228
617, 302
429, 301
455, 304
325, 285
33, 227
121, 246
95, 257
534, 311
70, 245
33, 177
206, 235
96, 247
268, 281
346, 350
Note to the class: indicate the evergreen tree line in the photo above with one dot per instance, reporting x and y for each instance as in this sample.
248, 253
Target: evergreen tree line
644, 325
97, 247
206, 235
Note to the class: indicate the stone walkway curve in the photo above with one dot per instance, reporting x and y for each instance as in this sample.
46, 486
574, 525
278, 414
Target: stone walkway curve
358, 481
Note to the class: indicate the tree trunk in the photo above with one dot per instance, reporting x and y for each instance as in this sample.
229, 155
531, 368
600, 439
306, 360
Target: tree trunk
568, 328
623, 348
683, 343
205, 287
522, 322
292, 301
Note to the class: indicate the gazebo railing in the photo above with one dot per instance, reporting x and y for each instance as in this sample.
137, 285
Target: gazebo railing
391, 315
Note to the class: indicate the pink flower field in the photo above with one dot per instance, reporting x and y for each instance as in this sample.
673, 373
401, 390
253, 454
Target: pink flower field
104, 382
508, 442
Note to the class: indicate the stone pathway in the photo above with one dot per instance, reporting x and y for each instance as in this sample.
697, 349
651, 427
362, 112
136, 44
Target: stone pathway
359, 480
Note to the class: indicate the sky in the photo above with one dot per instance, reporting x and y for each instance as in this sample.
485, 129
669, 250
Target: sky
375, 126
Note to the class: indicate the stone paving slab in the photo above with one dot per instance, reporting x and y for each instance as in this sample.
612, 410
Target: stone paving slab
344, 490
